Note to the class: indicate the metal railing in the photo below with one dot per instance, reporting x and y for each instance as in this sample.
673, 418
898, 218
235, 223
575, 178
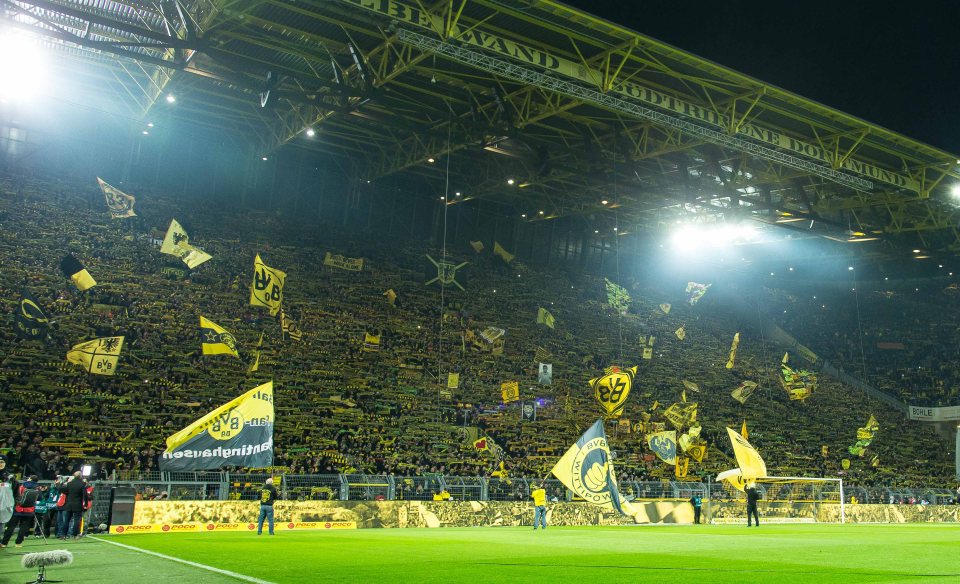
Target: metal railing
367, 487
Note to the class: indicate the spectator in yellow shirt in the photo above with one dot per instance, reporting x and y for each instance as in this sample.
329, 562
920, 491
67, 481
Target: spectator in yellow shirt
540, 505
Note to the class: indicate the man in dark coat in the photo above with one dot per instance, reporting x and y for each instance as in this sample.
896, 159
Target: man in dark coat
72, 513
752, 497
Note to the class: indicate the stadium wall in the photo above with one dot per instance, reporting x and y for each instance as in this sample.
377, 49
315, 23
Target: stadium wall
153, 515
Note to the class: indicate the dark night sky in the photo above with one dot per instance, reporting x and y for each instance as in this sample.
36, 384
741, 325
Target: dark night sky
895, 64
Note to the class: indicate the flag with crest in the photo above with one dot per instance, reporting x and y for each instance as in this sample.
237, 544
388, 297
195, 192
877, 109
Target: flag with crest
215, 340
98, 356
119, 203
587, 470
30, 322
177, 243
267, 287
612, 390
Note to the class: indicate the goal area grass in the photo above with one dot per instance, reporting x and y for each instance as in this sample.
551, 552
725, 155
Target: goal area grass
773, 553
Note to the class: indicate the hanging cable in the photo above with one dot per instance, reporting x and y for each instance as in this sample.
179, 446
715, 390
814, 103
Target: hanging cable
616, 238
443, 255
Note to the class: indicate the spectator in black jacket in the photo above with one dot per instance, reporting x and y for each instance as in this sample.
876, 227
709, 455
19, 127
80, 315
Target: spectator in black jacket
752, 497
68, 523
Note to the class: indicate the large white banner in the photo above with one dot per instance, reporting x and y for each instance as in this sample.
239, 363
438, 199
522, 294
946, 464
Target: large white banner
927, 414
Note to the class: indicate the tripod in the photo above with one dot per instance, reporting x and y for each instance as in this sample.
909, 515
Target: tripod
38, 527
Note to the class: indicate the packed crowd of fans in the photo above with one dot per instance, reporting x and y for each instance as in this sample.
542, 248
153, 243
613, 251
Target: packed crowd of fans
341, 408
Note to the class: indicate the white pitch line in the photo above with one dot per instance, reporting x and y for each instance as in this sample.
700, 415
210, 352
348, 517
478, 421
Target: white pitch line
187, 562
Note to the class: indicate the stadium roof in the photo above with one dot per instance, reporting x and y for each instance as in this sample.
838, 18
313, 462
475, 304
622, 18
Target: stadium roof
586, 116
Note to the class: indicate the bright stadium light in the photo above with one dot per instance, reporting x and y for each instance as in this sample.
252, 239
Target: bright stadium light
171, 98
22, 66
955, 190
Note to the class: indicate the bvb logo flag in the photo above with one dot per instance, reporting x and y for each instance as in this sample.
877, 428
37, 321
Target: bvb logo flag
697, 451
215, 340
681, 333
734, 477
587, 470
446, 272
98, 356
177, 243
238, 433
664, 445
267, 287
289, 327
30, 322
743, 391
748, 459
510, 391
73, 269
119, 203
612, 390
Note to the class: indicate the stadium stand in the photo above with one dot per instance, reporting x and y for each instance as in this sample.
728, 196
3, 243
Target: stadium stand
344, 409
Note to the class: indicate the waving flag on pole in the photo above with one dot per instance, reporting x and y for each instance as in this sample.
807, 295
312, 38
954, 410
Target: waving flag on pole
238, 433
119, 203
267, 287
587, 470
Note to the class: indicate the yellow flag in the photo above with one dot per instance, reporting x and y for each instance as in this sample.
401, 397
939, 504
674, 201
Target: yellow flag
665, 307
743, 430
734, 477
267, 287
344, 263
612, 390
544, 317
371, 342
289, 327
255, 364
664, 445
749, 460
510, 391
683, 465
453, 380
697, 451
681, 333
733, 350
98, 356
215, 340
504, 254
177, 243
477, 246
391, 297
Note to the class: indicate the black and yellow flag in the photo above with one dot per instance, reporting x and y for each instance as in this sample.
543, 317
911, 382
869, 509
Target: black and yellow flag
453, 380
443, 272
98, 356
504, 254
119, 203
255, 364
289, 327
544, 317
336, 260
238, 433
510, 391
371, 342
477, 246
267, 287
664, 445
617, 296
177, 243
30, 322
612, 390
683, 465
215, 340
73, 269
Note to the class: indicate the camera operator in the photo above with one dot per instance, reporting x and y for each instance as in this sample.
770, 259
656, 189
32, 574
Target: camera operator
25, 503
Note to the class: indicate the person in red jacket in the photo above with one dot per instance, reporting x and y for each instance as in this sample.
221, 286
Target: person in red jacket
25, 505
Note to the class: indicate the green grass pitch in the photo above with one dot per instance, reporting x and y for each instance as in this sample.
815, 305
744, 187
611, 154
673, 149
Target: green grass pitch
705, 553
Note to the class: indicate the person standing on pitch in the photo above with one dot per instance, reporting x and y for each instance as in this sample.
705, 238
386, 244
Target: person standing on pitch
752, 497
539, 506
697, 503
268, 495
71, 515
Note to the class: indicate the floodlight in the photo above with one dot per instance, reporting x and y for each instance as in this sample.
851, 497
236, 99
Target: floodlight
955, 190
22, 66
86, 470
311, 132
510, 181
171, 98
